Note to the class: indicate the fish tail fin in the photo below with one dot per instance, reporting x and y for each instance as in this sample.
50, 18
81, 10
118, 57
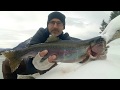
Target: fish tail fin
14, 61
8, 54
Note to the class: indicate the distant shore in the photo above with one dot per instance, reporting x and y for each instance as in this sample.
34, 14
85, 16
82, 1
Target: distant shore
2, 58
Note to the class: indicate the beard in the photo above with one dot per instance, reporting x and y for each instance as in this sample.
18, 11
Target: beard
55, 32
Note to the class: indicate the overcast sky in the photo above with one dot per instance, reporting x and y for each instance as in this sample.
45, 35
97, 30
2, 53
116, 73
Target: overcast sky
17, 26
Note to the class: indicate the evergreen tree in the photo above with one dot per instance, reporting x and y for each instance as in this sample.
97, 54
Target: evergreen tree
112, 16
103, 26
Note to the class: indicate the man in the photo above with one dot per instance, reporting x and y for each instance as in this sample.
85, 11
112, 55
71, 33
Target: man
55, 26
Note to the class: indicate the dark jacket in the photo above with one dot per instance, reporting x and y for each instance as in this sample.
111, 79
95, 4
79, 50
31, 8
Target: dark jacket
42, 35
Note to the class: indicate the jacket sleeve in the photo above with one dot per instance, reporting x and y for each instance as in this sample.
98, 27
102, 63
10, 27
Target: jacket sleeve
38, 37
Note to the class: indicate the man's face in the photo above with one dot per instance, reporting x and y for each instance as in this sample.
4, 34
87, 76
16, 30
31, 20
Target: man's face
55, 27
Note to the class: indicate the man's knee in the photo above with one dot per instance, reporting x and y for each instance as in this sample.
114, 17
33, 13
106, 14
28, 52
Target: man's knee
6, 70
5, 66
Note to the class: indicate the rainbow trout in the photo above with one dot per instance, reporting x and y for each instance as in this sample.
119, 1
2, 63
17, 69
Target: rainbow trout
67, 51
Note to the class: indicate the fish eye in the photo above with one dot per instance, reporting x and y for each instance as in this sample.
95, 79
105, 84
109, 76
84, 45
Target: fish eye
99, 40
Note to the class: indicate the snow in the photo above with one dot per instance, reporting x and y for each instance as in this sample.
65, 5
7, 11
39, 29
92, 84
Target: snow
111, 29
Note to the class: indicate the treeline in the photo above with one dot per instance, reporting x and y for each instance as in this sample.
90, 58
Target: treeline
112, 16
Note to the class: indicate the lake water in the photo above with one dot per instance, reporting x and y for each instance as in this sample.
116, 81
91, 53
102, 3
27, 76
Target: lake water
1, 59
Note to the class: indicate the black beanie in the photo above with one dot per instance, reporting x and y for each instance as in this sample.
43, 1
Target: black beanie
57, 15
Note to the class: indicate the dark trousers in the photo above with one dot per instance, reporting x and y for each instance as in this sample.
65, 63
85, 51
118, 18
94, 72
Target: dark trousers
25, 68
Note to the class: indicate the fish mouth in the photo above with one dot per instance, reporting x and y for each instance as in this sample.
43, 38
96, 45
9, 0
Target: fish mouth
96, 50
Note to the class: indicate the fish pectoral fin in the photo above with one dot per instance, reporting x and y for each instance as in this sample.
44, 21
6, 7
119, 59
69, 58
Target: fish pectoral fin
85, 58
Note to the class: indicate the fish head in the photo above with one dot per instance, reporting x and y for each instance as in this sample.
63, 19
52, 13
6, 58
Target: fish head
97, 47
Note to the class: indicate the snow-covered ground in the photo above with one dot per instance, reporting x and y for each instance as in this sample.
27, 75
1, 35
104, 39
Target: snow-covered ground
99, 69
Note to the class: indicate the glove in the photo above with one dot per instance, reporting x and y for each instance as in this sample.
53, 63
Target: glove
41, 65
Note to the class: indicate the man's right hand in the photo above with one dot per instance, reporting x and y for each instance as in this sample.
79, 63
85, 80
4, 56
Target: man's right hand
46, 64
50, 58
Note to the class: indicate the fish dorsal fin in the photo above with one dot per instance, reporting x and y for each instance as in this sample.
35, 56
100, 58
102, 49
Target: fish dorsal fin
52, 38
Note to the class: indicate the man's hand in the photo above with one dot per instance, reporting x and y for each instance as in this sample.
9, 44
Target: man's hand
46, 64
50, 58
